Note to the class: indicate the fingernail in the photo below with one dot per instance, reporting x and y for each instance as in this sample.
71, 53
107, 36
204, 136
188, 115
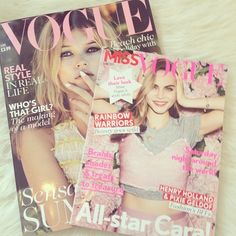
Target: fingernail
82, 73
67, 85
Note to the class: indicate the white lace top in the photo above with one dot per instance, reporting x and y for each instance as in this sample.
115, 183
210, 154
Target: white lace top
68, 148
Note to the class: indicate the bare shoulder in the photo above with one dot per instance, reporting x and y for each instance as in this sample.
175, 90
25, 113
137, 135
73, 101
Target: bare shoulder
42, 134
35, 140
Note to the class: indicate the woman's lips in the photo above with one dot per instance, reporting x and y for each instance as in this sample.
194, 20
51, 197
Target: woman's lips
160, 103
86, 72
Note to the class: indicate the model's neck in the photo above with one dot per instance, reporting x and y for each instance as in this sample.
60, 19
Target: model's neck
157, 121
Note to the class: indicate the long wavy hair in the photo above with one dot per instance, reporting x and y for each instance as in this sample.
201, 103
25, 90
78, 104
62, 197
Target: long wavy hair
46, 63
139, 108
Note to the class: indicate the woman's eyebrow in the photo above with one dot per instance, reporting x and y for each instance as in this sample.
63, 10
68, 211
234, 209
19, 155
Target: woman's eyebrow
66, 46
169, 85
91, 42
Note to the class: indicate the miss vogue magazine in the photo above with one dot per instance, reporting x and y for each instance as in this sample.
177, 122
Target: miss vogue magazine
150, 165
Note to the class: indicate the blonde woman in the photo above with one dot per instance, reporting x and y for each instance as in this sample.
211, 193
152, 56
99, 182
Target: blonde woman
165, 133
50, 156
145, 159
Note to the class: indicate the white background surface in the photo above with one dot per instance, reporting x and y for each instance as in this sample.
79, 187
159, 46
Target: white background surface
204, 30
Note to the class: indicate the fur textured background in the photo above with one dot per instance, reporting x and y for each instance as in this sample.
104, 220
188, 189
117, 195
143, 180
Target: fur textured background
200, 30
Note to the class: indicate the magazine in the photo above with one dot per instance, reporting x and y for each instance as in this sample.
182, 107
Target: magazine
41, 60
150, 165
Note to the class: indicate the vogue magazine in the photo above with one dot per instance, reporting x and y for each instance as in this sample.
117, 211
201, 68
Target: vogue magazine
42, 59
150, 165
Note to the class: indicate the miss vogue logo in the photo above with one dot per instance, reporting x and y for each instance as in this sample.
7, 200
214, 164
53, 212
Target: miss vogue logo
122, 57
136, 14
189, 69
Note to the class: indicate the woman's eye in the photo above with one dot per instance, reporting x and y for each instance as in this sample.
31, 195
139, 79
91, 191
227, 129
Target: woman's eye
170, 89
93, 49
155, 87
66, 54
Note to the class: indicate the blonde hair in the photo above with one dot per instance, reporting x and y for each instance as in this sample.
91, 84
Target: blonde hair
140, 106
46, 65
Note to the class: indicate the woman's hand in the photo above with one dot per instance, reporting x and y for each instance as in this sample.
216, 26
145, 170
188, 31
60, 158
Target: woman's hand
100, 93
81, 99
80, 102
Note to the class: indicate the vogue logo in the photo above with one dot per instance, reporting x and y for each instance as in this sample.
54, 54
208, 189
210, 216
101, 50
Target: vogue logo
135, 15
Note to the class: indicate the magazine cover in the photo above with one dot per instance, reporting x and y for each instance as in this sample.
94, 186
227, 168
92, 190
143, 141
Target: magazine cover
42, 59
151, 160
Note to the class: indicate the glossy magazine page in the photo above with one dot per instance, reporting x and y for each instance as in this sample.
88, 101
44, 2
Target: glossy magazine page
150, 164
42, 59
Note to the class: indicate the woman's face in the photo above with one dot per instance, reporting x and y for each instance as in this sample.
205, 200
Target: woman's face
76, 56
163, 95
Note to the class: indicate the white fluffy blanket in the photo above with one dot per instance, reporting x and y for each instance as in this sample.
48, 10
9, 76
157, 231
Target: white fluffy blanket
203, 29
